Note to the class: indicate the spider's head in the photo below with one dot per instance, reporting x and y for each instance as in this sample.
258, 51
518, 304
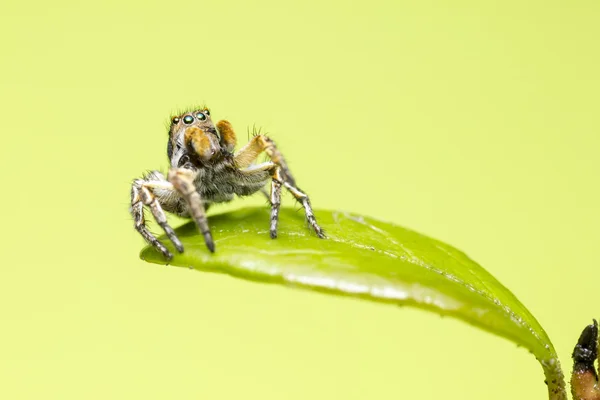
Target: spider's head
195, 133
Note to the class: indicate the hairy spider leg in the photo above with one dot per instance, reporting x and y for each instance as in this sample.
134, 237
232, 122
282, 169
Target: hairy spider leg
183, 181
141, 195
258, 144
228, 142
305, 201
275, 198
251, 151
152, 201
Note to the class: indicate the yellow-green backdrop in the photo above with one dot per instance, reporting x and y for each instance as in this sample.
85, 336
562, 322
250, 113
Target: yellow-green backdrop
475, 122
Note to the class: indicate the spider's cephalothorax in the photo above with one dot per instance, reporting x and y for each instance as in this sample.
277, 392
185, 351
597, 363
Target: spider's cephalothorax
205, 170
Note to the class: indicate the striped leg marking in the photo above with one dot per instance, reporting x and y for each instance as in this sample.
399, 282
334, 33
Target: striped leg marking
278, 175
275, 204
137, 211
152, 202
305, 201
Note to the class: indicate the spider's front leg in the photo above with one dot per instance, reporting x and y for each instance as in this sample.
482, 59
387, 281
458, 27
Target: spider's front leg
143, 192
183, 181
262, 143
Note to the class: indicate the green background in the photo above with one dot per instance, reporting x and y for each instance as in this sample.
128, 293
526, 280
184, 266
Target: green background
472, 122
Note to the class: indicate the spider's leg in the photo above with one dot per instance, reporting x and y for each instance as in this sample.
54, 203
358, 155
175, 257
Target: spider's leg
257, 174
275, 199
247, 154
137, 211
260, 143
183, 181
305, 201
152, 201
229, 140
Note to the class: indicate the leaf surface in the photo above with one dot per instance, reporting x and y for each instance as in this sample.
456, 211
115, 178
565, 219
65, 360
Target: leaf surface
367, 259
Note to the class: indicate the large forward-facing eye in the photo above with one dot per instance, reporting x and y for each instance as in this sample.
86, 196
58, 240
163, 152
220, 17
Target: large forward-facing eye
188, 119
201, 116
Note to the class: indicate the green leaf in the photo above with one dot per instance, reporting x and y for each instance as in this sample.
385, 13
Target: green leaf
368, 259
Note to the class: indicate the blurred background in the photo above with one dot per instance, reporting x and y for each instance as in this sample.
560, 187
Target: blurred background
475, 123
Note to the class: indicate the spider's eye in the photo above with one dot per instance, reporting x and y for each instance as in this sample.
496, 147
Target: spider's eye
207, 112
188, 119
201, 116
175, 120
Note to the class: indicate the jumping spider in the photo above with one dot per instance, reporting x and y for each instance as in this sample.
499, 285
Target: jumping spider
205, 170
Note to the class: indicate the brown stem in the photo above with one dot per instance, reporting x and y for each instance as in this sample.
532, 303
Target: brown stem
584, 378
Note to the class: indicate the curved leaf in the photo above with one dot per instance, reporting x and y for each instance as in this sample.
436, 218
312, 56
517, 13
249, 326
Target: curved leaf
369, 259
